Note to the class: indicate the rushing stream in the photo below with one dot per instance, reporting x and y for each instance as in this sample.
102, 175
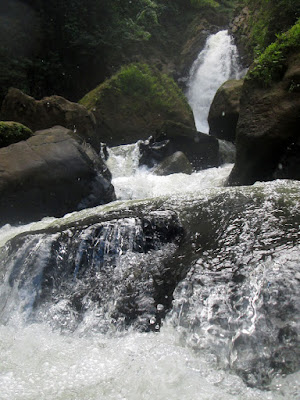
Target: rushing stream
182, 289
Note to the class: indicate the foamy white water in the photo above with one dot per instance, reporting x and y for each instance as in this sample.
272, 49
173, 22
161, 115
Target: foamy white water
191, 356
131, 182
39, 362
216, 63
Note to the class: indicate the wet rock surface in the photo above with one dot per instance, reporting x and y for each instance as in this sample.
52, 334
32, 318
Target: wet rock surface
201, 150
176, 163
50, 174
118, 271
230, 264
224, 110
268, 126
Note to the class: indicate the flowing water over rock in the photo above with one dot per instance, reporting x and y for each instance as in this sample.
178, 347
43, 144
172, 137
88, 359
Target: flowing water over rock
181, 289
216, 63
194, 295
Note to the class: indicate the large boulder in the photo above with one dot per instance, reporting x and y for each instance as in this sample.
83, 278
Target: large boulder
13, 132
201, 150
50, 174
268, 126
48, 112
224, 110
133, 103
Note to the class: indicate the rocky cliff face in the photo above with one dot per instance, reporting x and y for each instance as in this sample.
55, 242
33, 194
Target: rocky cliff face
268, 128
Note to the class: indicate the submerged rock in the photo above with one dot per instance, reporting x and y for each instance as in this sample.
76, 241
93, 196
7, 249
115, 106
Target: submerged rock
224, 110
48, 112
50, 174
119, 270
13, 132
133, 103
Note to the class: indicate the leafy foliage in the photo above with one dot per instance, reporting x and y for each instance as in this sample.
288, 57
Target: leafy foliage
270, 65
270, 18
68, 41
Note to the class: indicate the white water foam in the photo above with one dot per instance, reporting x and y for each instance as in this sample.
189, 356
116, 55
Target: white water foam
39, 364
216, 63
131, 182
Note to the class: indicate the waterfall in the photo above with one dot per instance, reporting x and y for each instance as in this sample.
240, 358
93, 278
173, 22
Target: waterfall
180, 289
215, 64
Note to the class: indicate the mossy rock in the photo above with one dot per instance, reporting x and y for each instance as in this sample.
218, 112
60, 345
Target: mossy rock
13, 132
133, 103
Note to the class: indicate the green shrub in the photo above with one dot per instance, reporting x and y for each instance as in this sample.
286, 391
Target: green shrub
270, 65
268, 19
13, 132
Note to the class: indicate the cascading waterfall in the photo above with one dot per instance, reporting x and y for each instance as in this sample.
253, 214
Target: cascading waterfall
181, 289
216, 63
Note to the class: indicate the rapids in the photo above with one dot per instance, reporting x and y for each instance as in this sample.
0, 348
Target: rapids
181, 289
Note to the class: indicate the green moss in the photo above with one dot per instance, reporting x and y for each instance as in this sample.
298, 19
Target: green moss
271, 64
13, 132
268, 18
144, 87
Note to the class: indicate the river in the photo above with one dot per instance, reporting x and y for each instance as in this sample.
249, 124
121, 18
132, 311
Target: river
181, 289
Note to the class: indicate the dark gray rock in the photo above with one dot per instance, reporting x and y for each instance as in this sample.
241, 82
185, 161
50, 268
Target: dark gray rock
289, 164
268, 126
152, 152
50, 174
201, 150
174, 164
224, 110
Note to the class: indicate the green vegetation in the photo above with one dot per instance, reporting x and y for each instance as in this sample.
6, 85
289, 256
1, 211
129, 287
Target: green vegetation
268, 19
143, 88
13, 132
204, 3
68, 47
270, 65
